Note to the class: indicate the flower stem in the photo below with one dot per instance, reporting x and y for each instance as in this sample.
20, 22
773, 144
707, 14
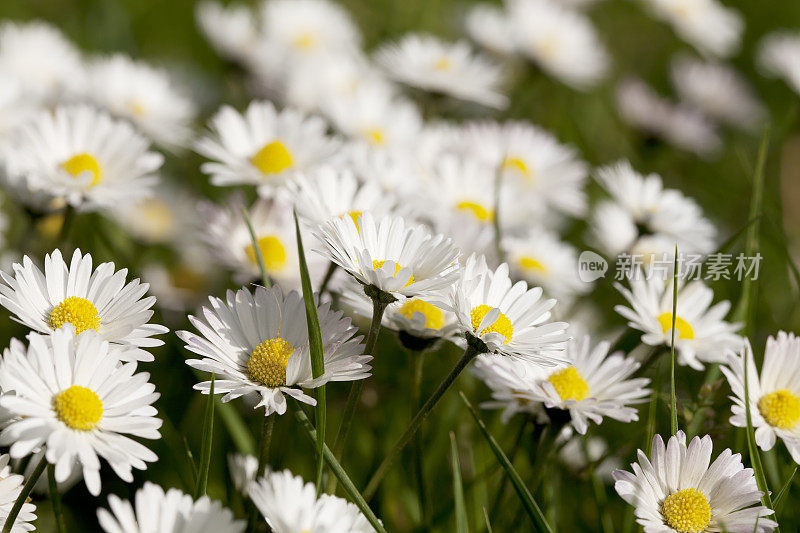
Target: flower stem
66, 224
55, 498
416, 401
264, 442
328, 275
474, 348
24, 493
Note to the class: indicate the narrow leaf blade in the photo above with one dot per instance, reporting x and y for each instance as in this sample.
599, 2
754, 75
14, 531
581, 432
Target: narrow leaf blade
205, 451
462, 524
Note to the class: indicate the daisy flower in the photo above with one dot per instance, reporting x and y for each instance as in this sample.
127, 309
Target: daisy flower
561, 40
15, 108
155, 510
258, 344
510, 319
779, 55
774, 396
83, 155
10, 487
454, 69
390, 255
263, 146
243, 470
231, 29
510, 380
592, 384
701, 333
676, 490
87, 299
718, 90
73, 396
289, 505
489, 26
144, 95
708, 25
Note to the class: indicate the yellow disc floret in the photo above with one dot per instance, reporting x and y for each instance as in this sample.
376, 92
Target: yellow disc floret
683, 330
434, 317
477, 210
267, 363
78, 407
397, 267
376, 136
780, 409
569, 384
81, 163
272, 158
687, 511
529, 263
272, 250
502, 325
79, 312
518, 165
443, 63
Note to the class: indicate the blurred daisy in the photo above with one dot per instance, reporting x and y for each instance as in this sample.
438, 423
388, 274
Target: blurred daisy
510, 380
290, 505
454, 69
86, 157
15, 108
87, 299
509, 319
774, 397
258, 344
580, 454
708, 25
489, 26
164, 217
677, 491
231, 29
779, 55
41, 59
592, 384
157, 511
701, 333
263, 146
10, 487
390, 255
243, 470
718, 90
144, 95
560, 40
74, 397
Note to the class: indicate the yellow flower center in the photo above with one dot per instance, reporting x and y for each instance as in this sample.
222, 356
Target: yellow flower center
502, 325
477, 210
157, 217
397, 267
80, 164
518, 165
443, 63
780, 409
272, 250
434, 317
79, 312
267, 363
687, 511
78, 407
376, 136
305, 41
682, 328
272, 158
354, 215
138, 109
529, 263
569, 384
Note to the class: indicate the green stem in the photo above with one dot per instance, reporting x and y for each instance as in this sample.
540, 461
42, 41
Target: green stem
262, 267
66, 225
416, 402
24, 493
55, 498
328, 275
498, 235
474, 348
673, 399
264, 442
504, 482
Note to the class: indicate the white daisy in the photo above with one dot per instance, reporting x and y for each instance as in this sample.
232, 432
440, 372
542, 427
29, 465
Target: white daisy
560, 40
263, 146
290, 505
155, 510
709, 26
243, 470
10, 487
702, 335
774, 396
230, 28
259, 344
489, 26
15, 108
144, 95
718, 90
779, 55
677, 491
510, 319
98, 300
509, 378
390, 255
74, 397
454, 69
162, 218
83, 155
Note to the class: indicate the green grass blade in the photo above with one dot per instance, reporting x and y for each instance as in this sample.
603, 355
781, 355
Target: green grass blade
755, 458
530, 505
234, 424
486, 518
784, 490
673, 399
256, 249
462, 524
205, 451
315, 348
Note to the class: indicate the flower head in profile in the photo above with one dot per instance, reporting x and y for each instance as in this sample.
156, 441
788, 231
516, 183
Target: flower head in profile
774, 395
489, 26
230, 28
10, 487
510, 380
258, 344
87, 299
676, 490
290, 505
72, 396
155, 510
243, 470
779, 55
708, 25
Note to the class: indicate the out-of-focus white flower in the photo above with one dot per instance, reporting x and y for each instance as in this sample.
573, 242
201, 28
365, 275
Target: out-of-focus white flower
15, 107
243, 470
489, 26
779, 55
717, 90
560, 40
509, 378
454, 69
580, 451
231, 28
708, 25
10, 487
